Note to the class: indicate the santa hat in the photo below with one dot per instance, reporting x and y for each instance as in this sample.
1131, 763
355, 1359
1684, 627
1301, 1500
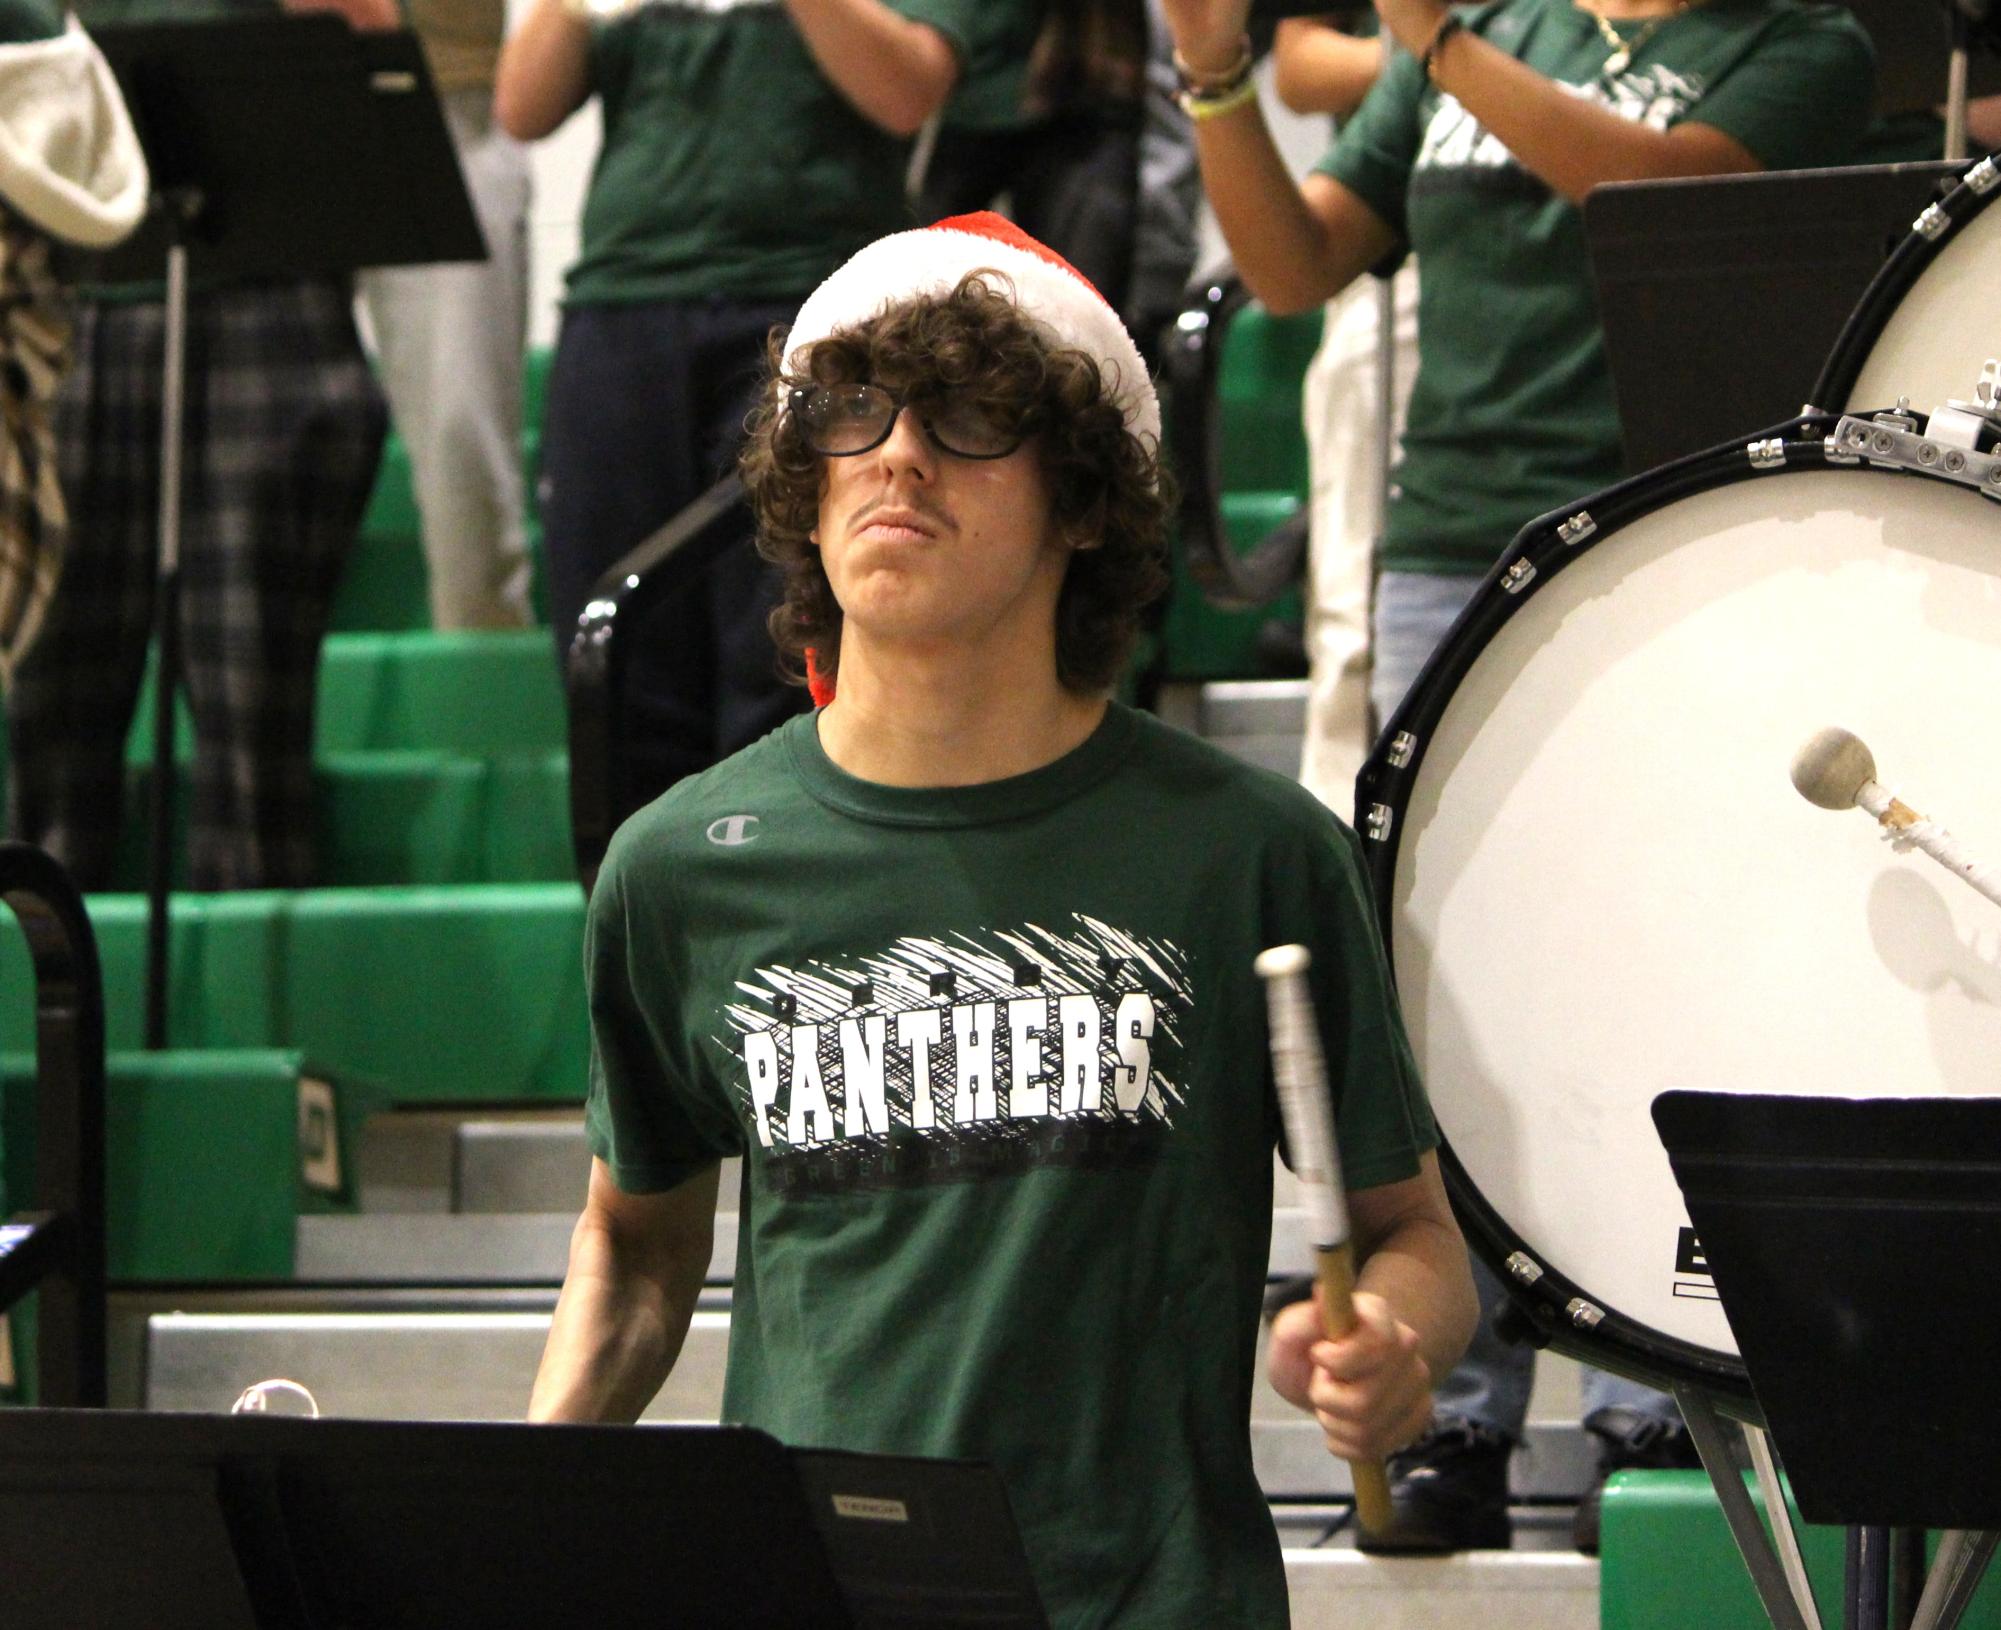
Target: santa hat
70, 161
1047, 289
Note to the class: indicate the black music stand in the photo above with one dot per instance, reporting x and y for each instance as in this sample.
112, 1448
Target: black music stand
1723, 296
1852, 1244
218, 1522
280, 147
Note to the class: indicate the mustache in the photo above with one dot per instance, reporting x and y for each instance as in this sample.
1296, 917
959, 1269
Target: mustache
903, 505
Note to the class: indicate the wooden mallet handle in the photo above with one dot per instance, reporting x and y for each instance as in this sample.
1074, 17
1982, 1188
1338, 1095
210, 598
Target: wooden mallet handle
1337, 1302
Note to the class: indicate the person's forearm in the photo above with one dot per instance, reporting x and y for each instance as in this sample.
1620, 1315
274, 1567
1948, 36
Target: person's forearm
895, 72
545, 72
1287, 255
1420, 1270
1571, 143
369, 16
615, 1335
1317, 69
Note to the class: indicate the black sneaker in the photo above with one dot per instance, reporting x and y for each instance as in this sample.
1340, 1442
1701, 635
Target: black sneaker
1628, 1440
1448, 1492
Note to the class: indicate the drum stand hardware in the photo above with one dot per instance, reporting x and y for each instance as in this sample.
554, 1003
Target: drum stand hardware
1949, 446
1778, 1576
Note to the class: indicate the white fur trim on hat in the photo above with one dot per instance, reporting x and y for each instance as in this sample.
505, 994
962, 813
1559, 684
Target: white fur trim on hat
70, 161
932, 260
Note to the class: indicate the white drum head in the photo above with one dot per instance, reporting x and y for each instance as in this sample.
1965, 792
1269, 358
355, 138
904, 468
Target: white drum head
1943, 327
1606, 886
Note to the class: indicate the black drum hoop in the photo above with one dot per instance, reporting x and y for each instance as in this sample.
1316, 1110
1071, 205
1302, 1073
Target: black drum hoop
1564, 1315
1937, 227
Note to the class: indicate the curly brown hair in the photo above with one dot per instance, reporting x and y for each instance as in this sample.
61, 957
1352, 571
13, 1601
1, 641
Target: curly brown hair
1109, 494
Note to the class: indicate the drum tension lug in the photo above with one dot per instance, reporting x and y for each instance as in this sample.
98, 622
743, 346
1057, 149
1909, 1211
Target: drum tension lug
1933, 224
1381, 818
1403, 748
1524, 1267
1984, 177
1583, 1314
1767, 455
1518, 576
1575, 530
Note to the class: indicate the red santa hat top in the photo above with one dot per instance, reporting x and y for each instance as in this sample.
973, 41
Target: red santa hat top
1047, 289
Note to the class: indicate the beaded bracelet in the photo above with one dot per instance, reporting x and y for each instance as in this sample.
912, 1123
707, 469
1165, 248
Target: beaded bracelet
1449, 25
1219, 83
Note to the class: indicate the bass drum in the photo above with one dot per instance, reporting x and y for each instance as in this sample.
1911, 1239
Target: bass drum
1597, 882
1930, 318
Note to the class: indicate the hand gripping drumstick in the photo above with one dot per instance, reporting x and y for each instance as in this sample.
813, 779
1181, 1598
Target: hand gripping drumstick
1836, 770
1316, 1163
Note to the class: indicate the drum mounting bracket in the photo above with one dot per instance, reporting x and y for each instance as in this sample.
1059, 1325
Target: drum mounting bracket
1894, 448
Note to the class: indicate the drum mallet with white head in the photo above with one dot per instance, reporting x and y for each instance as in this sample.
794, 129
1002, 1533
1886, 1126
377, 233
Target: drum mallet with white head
1316, 1162
1836, 770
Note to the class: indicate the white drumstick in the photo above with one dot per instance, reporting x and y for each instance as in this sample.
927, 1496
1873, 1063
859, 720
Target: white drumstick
1301, 1072
1836, 770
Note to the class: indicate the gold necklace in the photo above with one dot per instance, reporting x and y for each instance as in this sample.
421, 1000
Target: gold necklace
1624, 50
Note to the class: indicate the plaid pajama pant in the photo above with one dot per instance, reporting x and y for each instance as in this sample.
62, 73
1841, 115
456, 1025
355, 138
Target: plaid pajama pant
284, 430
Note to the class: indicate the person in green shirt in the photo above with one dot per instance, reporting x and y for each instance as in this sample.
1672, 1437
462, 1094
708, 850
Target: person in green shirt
1475, 151
748, 149
961, 965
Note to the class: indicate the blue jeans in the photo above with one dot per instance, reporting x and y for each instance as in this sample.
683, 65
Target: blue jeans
1413, 613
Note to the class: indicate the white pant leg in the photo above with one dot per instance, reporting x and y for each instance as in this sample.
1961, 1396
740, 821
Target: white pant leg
450, 342
1341, 414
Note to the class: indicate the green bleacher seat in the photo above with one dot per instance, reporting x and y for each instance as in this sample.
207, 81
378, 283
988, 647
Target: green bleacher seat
1668, 1561
205, 1173
486, 693
387, 819
474, 693
436, 994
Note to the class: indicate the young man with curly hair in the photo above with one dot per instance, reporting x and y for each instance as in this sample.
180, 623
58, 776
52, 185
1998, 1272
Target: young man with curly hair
962, 965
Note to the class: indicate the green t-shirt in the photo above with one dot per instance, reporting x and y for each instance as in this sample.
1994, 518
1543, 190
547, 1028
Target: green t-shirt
1511, 414
731, 165
24, 21
997, 1060
994, 82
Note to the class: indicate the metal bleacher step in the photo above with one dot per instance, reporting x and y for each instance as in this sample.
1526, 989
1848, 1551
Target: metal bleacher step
1262, 721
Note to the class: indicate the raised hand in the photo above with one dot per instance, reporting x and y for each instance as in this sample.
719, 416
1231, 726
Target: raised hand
1207, 33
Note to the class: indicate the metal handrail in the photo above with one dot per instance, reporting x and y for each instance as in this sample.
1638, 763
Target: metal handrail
602, 790
1192, 364
58, 1247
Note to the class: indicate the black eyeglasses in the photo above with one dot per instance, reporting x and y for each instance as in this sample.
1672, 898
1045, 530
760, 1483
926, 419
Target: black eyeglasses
839, 421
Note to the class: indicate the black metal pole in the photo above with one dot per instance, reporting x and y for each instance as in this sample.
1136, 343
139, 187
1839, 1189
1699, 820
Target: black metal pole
1867, 1567
1907, 1575
69, 1115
